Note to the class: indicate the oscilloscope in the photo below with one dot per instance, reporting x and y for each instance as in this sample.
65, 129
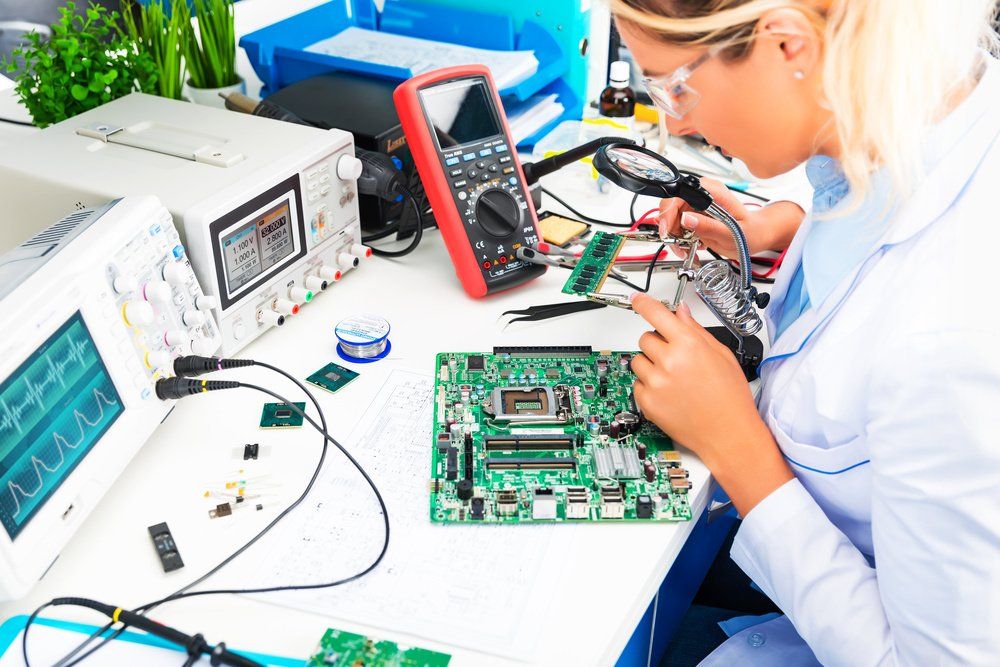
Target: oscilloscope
268, 210
96, 326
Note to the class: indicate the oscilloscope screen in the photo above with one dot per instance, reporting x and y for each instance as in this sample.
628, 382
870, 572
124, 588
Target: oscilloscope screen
53, 409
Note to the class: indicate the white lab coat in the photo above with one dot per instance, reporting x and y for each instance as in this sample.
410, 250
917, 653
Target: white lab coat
885, 400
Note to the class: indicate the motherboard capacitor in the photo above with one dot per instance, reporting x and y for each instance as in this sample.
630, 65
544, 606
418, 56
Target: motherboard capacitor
640, 449
464, 489
649, 470
615, 430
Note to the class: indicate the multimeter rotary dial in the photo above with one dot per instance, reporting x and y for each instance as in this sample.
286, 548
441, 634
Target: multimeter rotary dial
498, 208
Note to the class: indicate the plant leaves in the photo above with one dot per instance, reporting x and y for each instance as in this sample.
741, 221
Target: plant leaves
79, 92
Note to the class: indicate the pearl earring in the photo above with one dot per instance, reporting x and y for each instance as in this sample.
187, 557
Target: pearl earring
799, 74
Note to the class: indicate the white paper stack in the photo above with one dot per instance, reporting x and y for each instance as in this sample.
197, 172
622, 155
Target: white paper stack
532, 115
422, 55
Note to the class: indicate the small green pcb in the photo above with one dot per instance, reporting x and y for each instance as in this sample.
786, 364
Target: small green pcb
280, 415
540, 434
595, 263
332, 377
346, 649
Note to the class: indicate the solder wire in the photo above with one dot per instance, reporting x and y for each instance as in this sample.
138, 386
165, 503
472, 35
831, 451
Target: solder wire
364, 351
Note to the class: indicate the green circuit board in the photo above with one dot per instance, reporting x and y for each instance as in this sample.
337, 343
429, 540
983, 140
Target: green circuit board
594, 264
346, 649
548, 434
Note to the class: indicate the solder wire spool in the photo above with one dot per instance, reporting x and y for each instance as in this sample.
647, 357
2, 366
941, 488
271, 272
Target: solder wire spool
363, 338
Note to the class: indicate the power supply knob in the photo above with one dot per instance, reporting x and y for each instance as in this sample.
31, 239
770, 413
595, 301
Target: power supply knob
175, 273
138, 313
157, 290
125, 284
176, 337
205, 302
349, 168
285, 307
203, 346
347, 261
330, 273
193, 318
315, 283
300, 295
158, 359
361, 250
272, 317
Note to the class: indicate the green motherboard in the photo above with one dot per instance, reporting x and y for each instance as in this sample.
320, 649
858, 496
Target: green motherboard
346, 649
548, 434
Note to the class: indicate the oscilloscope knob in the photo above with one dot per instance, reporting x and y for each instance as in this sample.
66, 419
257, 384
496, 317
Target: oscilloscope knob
175, 273
349, 168
176, 337
193, 318
203, 346
157, 290
125, 284
205, 302
158, 359
138, 313
498, 213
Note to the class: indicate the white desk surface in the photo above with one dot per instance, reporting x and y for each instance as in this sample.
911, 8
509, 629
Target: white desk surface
111, 558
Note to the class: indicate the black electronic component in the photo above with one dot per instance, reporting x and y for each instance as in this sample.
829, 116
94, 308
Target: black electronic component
545, 351
251, 451
451, 470
530, 463
476, 509
643, 507
476, 362
166, 548
464, 489
528, 442
467, 456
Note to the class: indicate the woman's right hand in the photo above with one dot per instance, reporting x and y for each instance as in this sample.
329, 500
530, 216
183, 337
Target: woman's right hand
768, 228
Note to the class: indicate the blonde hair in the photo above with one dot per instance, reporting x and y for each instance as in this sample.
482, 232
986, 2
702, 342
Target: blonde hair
891, 68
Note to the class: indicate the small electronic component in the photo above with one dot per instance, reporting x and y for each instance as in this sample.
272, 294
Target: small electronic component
227, 509
281, 415
166, 548
332, 377
338, 648
560, 231
552, 434
595, 264
251, 451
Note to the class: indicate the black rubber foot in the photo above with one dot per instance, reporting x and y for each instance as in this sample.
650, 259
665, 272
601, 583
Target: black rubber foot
753, 350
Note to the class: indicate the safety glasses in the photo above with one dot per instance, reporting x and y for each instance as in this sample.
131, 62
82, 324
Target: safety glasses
671, 92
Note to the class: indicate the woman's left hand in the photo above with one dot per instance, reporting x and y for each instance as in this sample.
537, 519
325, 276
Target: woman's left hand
691, 386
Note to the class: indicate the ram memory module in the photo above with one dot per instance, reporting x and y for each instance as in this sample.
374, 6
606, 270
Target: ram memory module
595, 263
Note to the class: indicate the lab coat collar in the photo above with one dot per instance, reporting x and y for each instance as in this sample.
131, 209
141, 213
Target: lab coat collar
957, 147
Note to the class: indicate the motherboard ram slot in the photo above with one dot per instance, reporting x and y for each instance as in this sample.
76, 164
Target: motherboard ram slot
530, 463
528, 442
544, 351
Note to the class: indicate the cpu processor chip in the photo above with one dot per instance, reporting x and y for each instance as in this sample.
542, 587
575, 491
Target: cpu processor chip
281, 415
332, 377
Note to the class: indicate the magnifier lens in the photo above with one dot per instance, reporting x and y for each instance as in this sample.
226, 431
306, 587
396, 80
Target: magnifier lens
641, 165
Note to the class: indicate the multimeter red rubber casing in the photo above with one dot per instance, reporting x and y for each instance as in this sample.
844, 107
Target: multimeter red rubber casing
461, 144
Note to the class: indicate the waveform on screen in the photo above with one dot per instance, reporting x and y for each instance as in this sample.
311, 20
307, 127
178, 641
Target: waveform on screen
33, 398
62, 443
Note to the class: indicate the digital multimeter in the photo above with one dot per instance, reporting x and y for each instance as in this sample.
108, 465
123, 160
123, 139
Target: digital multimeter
464, 153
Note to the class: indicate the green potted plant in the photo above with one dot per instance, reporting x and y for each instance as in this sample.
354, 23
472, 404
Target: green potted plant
158, 30
210, 52
87, 61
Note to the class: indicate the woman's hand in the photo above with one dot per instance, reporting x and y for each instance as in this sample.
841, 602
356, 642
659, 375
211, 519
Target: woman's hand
692, 387
768, 228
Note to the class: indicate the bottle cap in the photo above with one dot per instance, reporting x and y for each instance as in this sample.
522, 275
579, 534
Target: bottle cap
619, 73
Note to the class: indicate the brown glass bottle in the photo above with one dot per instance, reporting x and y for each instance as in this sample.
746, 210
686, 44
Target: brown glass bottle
618, 99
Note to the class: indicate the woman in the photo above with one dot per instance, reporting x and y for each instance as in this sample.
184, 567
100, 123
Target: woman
867, 473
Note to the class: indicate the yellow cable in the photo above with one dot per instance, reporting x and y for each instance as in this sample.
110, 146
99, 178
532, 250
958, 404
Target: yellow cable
114, 616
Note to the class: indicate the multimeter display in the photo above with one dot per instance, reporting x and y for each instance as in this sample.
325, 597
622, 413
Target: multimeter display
460, 113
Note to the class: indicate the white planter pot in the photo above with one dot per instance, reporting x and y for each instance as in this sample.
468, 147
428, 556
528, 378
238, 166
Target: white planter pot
211, 96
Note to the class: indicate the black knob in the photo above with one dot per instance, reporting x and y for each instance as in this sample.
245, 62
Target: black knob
498, 213
464, 489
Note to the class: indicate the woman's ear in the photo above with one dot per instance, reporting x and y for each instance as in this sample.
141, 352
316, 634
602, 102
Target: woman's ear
793, 40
